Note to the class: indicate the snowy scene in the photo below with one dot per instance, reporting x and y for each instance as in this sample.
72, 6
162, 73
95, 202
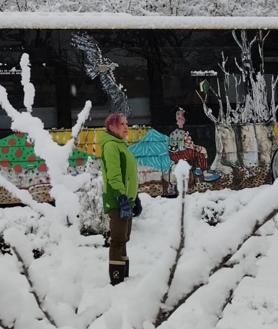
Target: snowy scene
200, 96
223, 261
149, 7
214, 268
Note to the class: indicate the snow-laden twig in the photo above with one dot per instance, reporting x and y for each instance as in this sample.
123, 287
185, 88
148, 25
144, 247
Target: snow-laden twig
274, 107
182, 172
240, 69
2, 326
261, 40
221, 116
246, 269
210, 301
228, 118
207, 110
23, 254
236, 39
28, 87
25, 197
81, 118
25, 272
177, 298
56, 156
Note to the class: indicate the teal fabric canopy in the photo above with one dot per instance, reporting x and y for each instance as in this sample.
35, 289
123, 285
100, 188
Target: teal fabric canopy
152, 151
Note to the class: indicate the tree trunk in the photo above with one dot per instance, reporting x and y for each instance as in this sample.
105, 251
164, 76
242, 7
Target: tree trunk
266, 140
226, 149
249, 146
246, 146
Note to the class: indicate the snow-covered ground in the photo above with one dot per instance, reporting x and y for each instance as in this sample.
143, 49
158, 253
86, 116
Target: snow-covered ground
70, 279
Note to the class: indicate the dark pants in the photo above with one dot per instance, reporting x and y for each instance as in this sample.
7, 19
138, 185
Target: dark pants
120, 233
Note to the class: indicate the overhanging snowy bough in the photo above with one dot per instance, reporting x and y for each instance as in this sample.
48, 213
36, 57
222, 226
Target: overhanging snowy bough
193, 275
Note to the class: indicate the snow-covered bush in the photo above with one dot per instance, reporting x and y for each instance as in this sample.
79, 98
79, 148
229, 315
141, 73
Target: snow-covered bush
92, 219
4, 247
212, 213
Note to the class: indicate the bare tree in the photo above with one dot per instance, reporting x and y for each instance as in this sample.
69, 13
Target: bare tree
244, 135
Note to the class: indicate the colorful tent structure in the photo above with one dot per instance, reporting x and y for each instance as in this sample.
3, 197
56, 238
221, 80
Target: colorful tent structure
152, 151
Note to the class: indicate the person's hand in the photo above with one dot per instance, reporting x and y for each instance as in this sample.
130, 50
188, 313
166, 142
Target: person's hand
137, 209
124, 206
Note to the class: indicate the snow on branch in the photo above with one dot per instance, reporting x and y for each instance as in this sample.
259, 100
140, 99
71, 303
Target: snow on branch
1, 322
24, 257
25, 197
56, 156
252, 219
207, 110
81, 118
28, 87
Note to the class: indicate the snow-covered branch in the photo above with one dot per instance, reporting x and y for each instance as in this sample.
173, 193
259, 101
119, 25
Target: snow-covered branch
14, 238
28, 87
207, 110
274, 107
56, 156
25, 197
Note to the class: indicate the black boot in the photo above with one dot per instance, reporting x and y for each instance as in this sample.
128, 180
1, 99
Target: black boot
126, 260
116, 271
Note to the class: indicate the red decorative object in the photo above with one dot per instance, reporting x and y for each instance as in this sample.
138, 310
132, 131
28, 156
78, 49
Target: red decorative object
12, 141
18, 168
18, 153
5, 149
79, 161
5, 163
42, 167
28, 144
32, 158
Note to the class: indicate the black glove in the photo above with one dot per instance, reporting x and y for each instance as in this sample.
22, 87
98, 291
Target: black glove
125, 209
137, 209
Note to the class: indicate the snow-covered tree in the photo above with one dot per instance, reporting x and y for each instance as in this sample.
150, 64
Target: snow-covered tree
251, 142
150, 7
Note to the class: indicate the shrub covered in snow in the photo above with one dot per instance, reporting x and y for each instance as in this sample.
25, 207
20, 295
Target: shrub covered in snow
92, 218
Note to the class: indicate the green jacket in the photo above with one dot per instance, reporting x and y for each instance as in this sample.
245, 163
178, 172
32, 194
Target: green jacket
119, 171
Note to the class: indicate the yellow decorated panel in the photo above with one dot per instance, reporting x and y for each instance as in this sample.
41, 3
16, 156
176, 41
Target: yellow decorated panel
88, 139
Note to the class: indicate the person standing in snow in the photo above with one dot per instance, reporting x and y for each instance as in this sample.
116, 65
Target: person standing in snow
120, 188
